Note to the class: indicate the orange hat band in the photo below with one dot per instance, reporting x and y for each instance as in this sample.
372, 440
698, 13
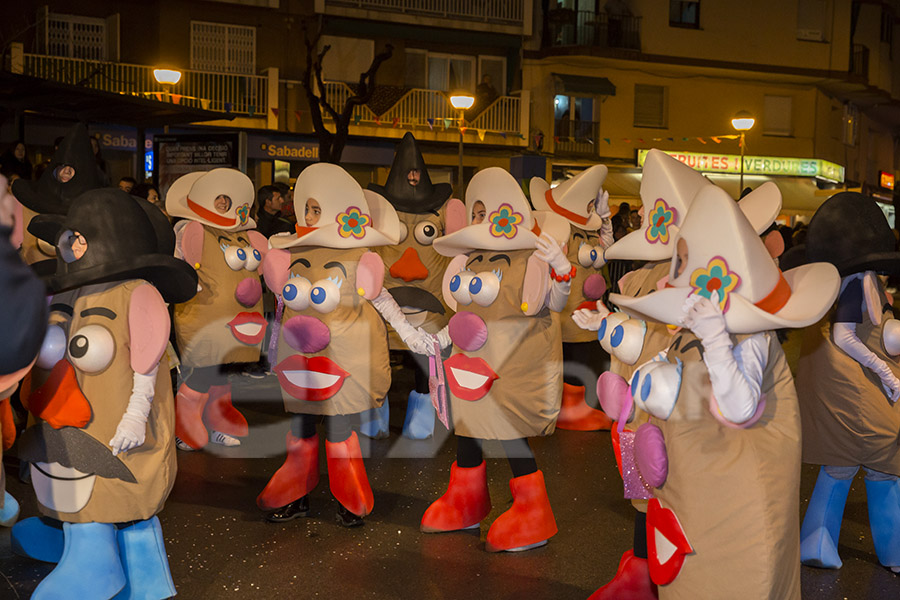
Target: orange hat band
214, 218
563, 212
777, 298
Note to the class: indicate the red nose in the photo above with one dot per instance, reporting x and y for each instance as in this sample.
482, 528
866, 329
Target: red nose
248, 291
60, 401
409, 267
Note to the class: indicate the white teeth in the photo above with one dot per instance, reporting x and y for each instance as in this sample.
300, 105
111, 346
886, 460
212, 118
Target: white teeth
311, 380
248, 329
69, 493
415, 316
664, 548
468, 379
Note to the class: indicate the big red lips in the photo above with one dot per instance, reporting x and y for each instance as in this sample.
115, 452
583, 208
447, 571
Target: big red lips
248, 328
667, 543
469, 378
315, 379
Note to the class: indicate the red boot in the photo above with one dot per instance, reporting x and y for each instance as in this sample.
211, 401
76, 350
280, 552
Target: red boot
632, 581
347, 476
221, 415
297, 477
465, 504
189, 405
576, 415
529, 521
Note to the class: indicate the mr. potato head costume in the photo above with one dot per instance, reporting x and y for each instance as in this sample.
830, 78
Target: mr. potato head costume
505, 371
222, 324
102, 451
720, 455
414, 272
576, 200
332, 352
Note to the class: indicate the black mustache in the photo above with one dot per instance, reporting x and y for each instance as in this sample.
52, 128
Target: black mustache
407, 295
72, 448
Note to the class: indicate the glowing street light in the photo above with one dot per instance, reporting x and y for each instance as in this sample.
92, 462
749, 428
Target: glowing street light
743, 121
461, 101
167, 76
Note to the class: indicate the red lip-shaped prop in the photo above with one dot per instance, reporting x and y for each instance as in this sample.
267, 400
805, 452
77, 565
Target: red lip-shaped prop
667, 543
315, 379
469, 378
248, 328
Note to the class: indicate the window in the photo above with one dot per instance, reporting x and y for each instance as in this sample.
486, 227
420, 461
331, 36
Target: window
447, 72
850, 125
811, 20
495, 68
684, 13
223, 48
573, 117
887, 26
650, 106
73, 36
347, 58
777, 116
416, 69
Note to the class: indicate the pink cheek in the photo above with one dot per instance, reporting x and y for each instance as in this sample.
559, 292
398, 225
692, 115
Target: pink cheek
468, 331
248, 291
594, 286
306, 334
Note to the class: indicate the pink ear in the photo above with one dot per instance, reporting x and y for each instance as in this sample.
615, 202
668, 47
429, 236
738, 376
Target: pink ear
148, 328
258, 241
370, 275
456, 265
192, 243
455, 218
774, 244
536, 285
276, 269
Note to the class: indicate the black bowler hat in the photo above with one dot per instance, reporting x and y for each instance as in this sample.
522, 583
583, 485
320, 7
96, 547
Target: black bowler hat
408, 191
126, 237
49, 194
852, 233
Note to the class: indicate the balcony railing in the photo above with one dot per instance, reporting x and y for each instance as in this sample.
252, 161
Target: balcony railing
222, 92
859, 61
576, 137
495, 11
429, 108
586, 28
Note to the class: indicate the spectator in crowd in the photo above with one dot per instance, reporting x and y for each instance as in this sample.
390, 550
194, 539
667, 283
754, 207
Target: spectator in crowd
95, 146
15, 161
287, 208
269, 202
126, 184
149, 193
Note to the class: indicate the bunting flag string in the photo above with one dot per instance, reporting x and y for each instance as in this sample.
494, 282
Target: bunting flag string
357, 118
176, 98
252, 110
377, 120
481, 133
447, 123
204, 104
297, 114
463, 129
701, 140
228, 106
396, 122
716, 139
430, 124
275, 112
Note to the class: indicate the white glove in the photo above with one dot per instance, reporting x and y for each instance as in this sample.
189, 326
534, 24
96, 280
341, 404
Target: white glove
390, 311
551, 253
846, 339
132, 428
443, 337
589, 319
421, 342
601, 205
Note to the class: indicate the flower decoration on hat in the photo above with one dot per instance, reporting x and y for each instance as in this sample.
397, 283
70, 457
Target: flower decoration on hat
243, 213
716, 277
504, 221
353, 223
661, 218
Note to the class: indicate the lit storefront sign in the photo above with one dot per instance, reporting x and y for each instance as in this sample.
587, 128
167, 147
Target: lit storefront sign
756, 165
887, 180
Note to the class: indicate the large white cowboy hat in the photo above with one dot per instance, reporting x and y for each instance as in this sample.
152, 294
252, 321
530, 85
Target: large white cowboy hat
509, 223
725, 255
668, 187
570, 198
193, 196
351, 217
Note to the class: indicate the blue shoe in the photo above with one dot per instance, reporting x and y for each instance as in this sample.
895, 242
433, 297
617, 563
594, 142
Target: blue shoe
419, 423
143, 555
822, 522
40, 538
883, 498
10, 511
90, 568
374, 423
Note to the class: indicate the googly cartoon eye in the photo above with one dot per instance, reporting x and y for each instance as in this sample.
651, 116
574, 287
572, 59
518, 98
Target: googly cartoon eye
53, 349
600, 258
91, 348
235, 257
607, 327
655, 387
404, 231
295, 293
253, 258
484, 287
459, 287
325, 294
586, 255
425, 233
626, 341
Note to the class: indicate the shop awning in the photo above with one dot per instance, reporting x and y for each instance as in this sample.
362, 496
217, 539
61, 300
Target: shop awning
580, 84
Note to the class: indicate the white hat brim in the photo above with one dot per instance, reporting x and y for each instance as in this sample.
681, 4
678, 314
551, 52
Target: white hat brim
478, 237
327, 236
538, 188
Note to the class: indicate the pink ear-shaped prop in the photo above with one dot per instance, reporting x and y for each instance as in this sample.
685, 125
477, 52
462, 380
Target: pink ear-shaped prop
276, 269
258, 241
456, 265
192, 244
369, 275
148, 328
774, 244
536, 286
456, 217
615, 397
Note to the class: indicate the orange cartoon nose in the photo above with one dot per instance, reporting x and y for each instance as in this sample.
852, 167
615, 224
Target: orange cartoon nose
59, 401
409, 267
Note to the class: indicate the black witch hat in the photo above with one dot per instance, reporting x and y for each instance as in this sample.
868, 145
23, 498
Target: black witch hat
850, 232
408, 187
50, 195
24, 319
109, 235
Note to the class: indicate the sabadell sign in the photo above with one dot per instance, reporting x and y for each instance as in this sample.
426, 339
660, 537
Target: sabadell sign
260, 147
756, 165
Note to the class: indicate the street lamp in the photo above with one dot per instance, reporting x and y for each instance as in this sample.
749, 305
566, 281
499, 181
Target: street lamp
743, 121
461, 101
167, 76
